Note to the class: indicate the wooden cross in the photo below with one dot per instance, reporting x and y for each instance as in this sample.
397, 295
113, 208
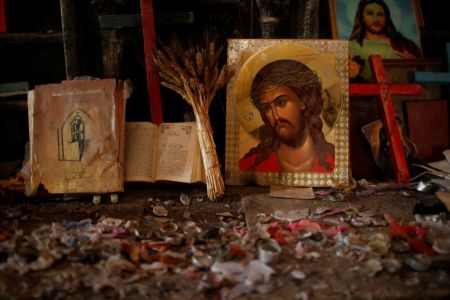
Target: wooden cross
384, 91
435, 77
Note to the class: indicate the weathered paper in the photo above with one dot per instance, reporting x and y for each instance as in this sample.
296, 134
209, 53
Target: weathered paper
141, 142
77, 137
178, 149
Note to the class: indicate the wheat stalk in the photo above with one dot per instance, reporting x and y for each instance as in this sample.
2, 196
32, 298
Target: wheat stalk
196, 75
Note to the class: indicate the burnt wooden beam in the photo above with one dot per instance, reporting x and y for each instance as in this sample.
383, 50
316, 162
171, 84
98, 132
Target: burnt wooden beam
120, 21
289, 19
81, 39
31, 38
245, 25
14, 87
71, 36
134, 20
113, 49
307, 19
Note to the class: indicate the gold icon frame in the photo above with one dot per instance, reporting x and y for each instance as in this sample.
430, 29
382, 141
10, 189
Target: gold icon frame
329, 59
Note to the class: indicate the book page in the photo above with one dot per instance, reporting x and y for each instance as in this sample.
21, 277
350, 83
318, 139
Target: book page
141, 140
178, 151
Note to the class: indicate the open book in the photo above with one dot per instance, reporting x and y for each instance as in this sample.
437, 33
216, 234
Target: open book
168, 152
77, 137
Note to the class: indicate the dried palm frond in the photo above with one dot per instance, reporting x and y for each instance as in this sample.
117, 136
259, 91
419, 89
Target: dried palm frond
196, 75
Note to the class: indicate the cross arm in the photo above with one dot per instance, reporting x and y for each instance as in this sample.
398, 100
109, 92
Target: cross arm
375, 89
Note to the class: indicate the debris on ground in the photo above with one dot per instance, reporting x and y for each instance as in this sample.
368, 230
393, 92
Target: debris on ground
161, 256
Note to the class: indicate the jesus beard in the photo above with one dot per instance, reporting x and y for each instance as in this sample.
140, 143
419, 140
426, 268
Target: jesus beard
293, 138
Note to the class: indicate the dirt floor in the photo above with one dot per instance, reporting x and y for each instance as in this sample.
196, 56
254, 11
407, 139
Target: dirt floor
171, 242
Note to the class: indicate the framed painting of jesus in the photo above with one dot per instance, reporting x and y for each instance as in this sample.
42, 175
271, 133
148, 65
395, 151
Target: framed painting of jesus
287, 113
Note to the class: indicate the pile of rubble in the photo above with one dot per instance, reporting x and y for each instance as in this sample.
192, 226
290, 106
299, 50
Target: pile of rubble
120, 257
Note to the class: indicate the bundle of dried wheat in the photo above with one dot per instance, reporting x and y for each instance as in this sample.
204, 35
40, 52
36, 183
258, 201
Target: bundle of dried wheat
196, 75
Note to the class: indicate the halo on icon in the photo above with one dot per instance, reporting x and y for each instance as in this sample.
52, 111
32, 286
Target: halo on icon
324, 64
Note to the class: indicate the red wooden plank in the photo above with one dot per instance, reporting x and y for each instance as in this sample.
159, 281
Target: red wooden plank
394, 89
389, 121
364, 89
393, 132
2, 16
376, 65
384, 92
153, 86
